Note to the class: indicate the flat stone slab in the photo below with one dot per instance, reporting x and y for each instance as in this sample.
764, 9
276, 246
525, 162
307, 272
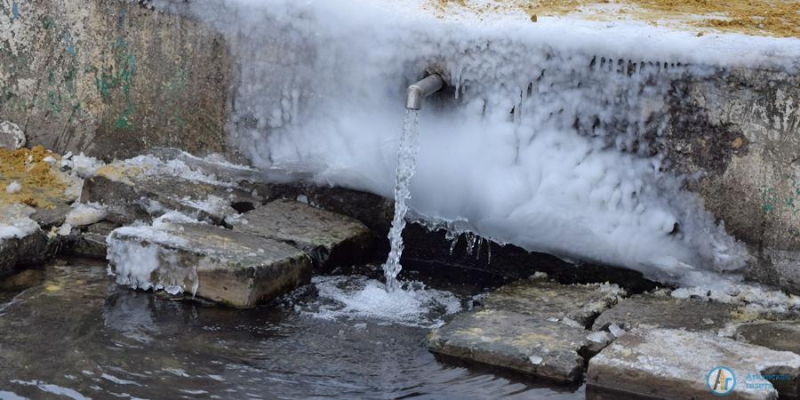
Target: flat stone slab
668, 312
132, 197
548, 300
782, 336
515, 341
330, 239
679, 364
221, 265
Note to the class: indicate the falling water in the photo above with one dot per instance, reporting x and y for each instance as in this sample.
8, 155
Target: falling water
406, 166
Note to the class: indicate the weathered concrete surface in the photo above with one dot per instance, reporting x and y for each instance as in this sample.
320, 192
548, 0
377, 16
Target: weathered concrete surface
741, 130
674, 364
129, 199
233, 268
548, 300
668, 312
111, 78
533, 326
329, 239
779, 336
782, 336
514, 341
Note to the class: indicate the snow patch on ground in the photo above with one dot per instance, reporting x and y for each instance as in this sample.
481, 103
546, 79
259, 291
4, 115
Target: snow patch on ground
15, 221
13, 187
83, 214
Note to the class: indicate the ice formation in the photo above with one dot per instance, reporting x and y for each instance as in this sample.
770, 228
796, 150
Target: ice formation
141, 265
544, 141
15, 221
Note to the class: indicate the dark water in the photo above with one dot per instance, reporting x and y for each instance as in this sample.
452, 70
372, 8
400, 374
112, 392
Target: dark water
67, 331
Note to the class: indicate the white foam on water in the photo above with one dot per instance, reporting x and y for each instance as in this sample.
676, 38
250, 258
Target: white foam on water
358, 297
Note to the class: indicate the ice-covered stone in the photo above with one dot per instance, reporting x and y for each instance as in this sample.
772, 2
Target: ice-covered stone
678, 364
133, 197
514, 341
547, 300
329, 238
218, 264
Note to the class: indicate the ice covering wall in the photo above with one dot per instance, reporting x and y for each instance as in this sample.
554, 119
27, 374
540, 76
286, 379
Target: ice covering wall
548, 137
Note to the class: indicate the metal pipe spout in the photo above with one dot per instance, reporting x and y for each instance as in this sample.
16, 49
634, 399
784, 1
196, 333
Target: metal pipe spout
424, 88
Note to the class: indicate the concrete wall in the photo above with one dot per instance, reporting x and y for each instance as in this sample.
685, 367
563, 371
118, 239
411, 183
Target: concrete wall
111, 78
741, 129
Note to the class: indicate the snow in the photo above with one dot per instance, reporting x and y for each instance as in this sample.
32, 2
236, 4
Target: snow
81, 164
15, 222
566, 173
155, 166
13, 187
83, 214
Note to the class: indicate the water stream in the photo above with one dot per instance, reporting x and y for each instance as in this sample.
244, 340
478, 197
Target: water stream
69, 331
406, 166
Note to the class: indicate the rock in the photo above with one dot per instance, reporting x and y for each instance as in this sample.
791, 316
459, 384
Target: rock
668, 312
549, 300
330, 239
51, 217
92, 242
514, 341
224, 266
678, 364
11, 136
781, 336
372, 210
31, 249
137, 197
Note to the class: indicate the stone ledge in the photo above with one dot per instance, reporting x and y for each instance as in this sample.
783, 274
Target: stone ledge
329, 239
674, 364
229, 267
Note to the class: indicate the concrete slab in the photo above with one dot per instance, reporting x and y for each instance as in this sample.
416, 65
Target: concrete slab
548, 300
132, 197
514, 341
330, 239
668, 312
221, 265
679, 364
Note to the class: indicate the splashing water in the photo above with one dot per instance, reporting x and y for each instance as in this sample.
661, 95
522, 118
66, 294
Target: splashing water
406, 166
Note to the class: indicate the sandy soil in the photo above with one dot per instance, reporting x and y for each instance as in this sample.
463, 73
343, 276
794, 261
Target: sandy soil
778, 18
